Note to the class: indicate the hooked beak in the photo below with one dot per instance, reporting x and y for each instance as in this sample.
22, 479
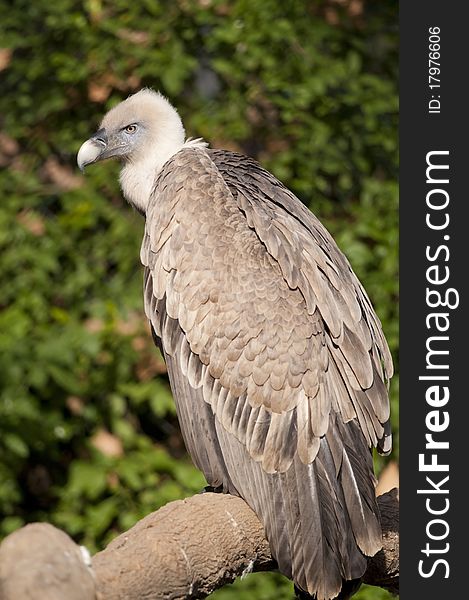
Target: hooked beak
93, 149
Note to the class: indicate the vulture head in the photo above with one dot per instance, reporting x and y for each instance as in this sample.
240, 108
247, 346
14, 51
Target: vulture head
143, 132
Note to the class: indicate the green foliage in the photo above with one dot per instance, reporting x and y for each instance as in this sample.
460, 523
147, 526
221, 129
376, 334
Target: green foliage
88, 434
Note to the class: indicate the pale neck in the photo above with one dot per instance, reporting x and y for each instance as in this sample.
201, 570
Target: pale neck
138, 178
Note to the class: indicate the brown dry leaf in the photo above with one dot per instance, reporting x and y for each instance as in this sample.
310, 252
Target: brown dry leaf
75, 405
355, 8
130, 83
139, 343
140, 38
126, 328
388, 479
133, 82
98, 92
129, 326
94, 325
8, 145
223, 9
9, 148
61, 175
107, 443
32, 222
5, 58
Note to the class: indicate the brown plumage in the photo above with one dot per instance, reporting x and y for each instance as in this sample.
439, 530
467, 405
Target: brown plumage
277, 361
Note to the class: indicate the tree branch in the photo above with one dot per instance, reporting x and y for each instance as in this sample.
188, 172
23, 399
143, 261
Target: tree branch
187, 549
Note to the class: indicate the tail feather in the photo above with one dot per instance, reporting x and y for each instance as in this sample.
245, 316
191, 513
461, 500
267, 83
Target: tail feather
320, 519
357, 481
318, 570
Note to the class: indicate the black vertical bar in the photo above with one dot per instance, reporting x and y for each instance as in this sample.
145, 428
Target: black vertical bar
434, 357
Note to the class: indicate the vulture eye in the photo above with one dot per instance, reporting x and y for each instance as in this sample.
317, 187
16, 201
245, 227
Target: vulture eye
130, 128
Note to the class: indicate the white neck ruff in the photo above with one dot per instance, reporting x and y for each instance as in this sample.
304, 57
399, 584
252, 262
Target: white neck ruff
138, 178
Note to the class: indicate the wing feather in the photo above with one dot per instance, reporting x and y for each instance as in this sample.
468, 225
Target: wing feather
276, 359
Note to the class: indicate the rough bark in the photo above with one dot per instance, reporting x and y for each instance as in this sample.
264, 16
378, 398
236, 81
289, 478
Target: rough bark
187, 549
40, 562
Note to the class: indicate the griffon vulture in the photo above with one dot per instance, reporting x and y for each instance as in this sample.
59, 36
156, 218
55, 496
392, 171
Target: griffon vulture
277, 361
